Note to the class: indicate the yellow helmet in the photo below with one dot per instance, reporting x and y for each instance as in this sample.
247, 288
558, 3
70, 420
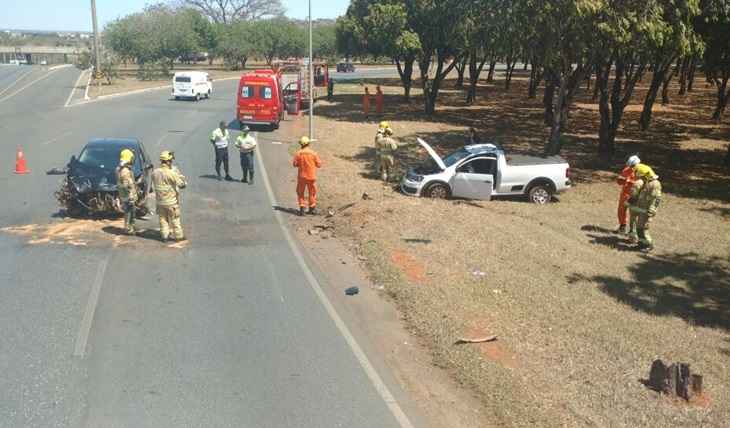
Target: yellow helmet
167, 156
304, 141
126, 156
643, 170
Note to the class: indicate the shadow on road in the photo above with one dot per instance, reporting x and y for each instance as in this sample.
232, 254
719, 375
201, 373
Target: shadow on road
291, 211
150, 234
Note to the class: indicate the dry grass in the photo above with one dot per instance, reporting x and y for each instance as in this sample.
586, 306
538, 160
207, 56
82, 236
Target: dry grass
579, 315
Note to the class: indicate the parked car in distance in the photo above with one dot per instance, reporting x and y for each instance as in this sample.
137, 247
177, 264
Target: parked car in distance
191, 85
482, 171
345, 67
90, 186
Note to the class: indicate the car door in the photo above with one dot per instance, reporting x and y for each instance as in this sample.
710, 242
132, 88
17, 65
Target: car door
474, 179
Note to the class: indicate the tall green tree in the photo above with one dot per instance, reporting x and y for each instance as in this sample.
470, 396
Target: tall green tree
714, 28
236, 44
278, 38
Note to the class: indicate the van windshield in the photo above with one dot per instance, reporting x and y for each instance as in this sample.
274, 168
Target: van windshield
183, 79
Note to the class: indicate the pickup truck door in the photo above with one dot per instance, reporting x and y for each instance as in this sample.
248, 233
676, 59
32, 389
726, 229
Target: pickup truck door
474, 179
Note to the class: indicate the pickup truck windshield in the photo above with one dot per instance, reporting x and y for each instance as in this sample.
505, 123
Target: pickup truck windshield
455, 157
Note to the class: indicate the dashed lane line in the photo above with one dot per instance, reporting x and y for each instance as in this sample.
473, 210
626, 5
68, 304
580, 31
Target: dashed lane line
85, 329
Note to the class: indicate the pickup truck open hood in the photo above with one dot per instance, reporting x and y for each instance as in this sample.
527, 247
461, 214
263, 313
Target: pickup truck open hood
433, 154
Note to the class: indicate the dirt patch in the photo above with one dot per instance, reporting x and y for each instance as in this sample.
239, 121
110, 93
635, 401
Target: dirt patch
413, 270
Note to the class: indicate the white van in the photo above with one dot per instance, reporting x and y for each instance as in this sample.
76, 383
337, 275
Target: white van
191, 84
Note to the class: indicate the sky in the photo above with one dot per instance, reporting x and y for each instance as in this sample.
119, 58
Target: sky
75, 15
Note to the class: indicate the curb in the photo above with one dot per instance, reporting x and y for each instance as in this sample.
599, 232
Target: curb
88, 100
88, 82
56, 67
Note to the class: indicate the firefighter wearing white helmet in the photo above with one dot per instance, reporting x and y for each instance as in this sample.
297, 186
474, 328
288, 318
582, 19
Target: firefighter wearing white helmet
385, 147
127, 189
626, 180
168, 181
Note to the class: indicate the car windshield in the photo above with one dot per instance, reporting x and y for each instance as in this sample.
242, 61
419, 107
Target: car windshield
100, 157
456, 157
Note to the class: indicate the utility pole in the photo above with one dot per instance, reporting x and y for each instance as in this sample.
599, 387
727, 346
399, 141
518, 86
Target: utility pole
97, 59
311, 77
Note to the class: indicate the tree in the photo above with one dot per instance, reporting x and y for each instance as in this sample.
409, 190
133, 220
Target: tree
229, 11
207, 33
440, 29
668, 39
277, 38
714, 27
236, 44
324, 42
480, 27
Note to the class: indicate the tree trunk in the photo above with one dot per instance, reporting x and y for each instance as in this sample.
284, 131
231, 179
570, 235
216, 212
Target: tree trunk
612, 113
722, 97
508, 75
460, 70
490, 75
535, 79
683, 76
405, 71
645, 119
547, 99
665, 85
553, 143
244, 60
727, 157
431, 86
691, 75
597, 71
475, 69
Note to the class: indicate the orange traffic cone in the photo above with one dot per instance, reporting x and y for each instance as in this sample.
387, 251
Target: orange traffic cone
20, 167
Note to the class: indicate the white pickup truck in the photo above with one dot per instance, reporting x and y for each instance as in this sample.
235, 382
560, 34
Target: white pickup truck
482, 171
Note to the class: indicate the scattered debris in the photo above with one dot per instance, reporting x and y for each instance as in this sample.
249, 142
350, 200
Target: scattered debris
362, 258
352, 291
365, 196
417, 240
674, 380
330, 212
462, 340
479, 273
314, 232
56, 171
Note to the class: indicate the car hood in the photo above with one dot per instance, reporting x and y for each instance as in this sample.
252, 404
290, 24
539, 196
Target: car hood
433, 154
88, 178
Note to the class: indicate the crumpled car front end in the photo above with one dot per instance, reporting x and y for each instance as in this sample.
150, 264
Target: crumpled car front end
89, 191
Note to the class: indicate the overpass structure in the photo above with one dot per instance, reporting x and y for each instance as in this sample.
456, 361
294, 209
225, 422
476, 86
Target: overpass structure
37, 54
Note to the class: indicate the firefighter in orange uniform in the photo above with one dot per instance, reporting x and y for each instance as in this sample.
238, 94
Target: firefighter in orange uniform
307, 161
378, 100
366, 103
626, 181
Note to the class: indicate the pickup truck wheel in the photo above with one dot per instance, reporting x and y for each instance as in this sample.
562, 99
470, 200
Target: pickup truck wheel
438, 191
540, 194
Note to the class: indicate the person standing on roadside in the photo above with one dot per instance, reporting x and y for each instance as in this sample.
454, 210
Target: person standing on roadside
307, 161
379, 101
127, 189
167, 182
385, 147
330, 88
246, 145
626, 181
219, 139
366, 103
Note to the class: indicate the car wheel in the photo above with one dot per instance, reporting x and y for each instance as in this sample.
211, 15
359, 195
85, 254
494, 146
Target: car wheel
438, 191
177, 98
540, 194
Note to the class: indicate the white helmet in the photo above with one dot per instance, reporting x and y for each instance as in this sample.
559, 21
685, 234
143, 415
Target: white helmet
633, 161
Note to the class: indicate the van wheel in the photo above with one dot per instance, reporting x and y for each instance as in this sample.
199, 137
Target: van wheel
207, 95
438, 191
540, 194
275, 126
197, 96
177, 98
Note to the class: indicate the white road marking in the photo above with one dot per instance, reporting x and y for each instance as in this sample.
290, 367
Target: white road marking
85, 329
27, 86
75, 88
365, 363
16, 81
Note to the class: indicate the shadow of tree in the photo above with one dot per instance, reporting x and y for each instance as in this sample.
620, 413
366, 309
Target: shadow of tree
686, 285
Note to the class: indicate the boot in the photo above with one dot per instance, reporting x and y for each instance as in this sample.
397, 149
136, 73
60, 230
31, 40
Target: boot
229, 178
301, 211
621, 229
312, 211
250, 179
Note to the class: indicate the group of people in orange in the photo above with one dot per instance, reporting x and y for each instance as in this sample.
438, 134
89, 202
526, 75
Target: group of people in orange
378, 101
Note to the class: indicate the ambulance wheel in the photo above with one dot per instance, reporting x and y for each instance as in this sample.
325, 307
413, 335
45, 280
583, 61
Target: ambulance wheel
275, 126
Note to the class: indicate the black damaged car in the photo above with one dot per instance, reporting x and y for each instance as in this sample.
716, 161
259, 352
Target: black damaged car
90, 186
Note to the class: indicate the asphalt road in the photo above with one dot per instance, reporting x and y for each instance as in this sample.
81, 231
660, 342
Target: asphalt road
126, 332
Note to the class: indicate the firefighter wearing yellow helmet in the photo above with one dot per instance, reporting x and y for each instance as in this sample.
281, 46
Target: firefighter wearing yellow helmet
167, 182
643, 204
127, 189
385, 147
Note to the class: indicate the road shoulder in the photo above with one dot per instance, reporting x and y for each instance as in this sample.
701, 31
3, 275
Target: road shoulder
371, 316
